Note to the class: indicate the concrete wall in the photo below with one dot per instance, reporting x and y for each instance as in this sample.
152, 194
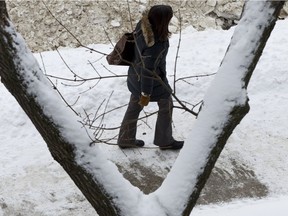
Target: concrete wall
87, 19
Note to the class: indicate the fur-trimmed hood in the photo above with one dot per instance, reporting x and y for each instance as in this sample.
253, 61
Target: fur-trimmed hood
149, 55
147, 30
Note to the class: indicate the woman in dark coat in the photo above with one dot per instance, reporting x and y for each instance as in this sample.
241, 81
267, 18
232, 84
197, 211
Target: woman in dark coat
147, 80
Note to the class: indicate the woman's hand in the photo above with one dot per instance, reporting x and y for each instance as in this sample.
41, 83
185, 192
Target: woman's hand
144, 99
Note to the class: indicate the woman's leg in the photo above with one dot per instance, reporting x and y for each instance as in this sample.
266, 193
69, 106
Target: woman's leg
163, 129
127, 134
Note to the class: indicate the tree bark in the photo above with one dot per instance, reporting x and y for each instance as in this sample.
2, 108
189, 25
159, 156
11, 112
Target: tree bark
238, 112
61, 150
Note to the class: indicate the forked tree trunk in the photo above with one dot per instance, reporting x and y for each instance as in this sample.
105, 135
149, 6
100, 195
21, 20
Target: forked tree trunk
61, 150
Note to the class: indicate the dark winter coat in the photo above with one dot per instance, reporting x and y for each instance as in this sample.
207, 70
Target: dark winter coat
149, 64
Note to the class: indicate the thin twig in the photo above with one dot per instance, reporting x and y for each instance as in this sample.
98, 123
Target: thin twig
65, 101
195, 76
55, 87
105, 113
90, 63
85, 79
75, 75
130, 17
78, 41
177, 52
42, 60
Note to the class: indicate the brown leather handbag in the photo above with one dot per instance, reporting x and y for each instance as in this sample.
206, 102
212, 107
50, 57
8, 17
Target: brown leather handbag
123, 51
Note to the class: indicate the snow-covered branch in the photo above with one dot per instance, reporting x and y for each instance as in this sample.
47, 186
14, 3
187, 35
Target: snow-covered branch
225, 104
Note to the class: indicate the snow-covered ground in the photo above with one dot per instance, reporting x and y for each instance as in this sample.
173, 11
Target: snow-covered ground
33, 184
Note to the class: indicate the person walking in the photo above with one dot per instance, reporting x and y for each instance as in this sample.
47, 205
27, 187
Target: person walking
147, 80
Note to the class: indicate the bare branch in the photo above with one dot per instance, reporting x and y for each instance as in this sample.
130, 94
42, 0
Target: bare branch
85, 79
195, 76
177, 52
78, 41
74, 74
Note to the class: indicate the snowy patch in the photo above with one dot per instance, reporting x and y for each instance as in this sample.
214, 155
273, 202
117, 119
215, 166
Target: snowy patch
33, 184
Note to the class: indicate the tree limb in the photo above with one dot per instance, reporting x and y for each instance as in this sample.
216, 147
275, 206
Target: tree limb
62, 150
226, 103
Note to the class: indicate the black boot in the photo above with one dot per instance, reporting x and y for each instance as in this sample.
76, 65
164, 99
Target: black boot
175, 145
136, 144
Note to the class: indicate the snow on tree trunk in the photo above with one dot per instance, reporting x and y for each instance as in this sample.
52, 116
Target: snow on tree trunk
225, 104
15, 60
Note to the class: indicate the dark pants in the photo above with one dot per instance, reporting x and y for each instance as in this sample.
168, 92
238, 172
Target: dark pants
163, 129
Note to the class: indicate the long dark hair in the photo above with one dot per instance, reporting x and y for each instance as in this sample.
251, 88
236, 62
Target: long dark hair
159, 17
